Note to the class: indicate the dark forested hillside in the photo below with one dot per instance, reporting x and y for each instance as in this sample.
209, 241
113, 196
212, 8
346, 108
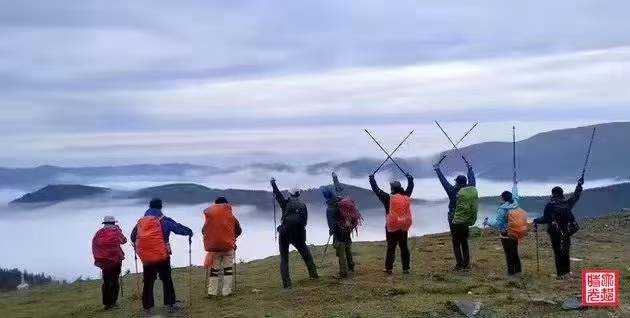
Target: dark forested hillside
11, 278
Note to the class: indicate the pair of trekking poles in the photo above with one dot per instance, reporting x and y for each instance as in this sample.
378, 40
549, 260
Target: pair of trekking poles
190, 303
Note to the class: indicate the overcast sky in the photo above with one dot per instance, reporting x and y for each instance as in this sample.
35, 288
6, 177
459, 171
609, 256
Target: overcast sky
112, 82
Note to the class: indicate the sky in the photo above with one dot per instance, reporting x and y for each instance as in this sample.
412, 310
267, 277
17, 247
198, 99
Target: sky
116, 82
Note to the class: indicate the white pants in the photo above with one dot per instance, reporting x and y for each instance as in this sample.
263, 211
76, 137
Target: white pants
221, 262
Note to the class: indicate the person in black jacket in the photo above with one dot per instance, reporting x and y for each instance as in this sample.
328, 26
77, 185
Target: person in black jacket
560, 222
394, 238
292, 231
342, 238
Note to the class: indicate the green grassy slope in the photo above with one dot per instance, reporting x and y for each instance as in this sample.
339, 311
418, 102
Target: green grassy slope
602, 244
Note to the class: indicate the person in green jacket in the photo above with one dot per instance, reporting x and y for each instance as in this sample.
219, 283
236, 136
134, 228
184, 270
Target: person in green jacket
462, 212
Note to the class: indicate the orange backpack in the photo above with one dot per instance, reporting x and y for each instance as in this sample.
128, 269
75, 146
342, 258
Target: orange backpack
399, 216
150, 244
517, 227
219, 229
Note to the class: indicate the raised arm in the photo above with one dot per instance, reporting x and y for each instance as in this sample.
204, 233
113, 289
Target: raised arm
471, 176
515, 194
337, 184
382, 195
410, 185
282, 201
575, 197
449, 188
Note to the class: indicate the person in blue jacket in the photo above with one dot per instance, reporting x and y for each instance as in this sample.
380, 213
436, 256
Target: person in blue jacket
163, 269
459, 235
510, 246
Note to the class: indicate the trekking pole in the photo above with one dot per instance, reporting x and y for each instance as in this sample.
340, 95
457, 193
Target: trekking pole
537, 254
452, 143
385, 151
234, 269
135, 257
476, 255
325, 249
122, 293
190, 271
514, 151
459, 141
275, 224
393, 152
588, 154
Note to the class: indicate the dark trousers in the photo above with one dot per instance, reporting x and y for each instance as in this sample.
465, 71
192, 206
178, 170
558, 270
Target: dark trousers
343, 248
397, 239
151, 273
296, 236
459, 235
510, 247
561, 245
111, 284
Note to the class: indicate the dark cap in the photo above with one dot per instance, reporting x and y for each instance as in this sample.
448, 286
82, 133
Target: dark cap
461, 180
220, 200
155, 203
395, 184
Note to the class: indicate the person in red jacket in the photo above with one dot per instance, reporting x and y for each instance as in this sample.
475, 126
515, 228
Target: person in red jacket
108, 256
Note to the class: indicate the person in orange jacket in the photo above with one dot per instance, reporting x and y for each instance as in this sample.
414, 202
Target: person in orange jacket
220, 231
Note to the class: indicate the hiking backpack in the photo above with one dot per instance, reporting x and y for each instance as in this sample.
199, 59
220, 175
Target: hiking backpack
467, 206
517, 227
106, 247
349, 216
151, 246
562, 214
399, 217
219, 229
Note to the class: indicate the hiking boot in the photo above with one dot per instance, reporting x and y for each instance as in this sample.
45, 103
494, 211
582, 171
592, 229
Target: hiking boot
148, 312
176, 308
341, 276
316, 276
387, 271
108, 307
406, 271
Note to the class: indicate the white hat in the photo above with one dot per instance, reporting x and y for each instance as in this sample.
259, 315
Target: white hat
294, 191
109, 219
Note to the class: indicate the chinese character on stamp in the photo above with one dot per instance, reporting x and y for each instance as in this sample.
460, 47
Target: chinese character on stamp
600, 288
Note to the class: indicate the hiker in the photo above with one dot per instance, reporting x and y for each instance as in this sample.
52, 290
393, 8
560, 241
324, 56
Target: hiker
460, 213
510, 228
151, 242
338, 228
292, 231
220, 231
398, 220
108, 256
561, 225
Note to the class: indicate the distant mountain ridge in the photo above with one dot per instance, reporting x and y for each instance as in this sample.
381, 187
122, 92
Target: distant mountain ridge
594, 201
47, 174
556, 155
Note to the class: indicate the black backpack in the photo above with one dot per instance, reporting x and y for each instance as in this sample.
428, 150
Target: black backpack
562, 218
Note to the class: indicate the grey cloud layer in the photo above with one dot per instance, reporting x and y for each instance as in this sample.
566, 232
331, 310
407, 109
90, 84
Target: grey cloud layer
147, 68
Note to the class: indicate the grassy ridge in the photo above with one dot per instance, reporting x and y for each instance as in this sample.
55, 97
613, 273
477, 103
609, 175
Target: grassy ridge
602, 244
